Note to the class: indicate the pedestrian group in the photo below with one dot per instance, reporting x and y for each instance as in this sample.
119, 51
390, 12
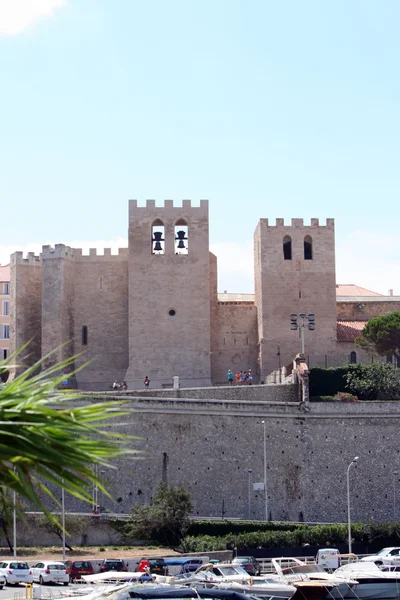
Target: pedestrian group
242, 377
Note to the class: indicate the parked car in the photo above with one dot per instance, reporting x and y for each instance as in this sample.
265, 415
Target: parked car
113, 564
386, 556
16, 572
249, 564
50, 571
77, 568
155, 565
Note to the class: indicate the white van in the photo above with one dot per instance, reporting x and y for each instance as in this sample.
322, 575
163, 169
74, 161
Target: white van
328, 558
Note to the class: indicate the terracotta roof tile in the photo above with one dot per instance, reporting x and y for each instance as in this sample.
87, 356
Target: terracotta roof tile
347, 331
350, 289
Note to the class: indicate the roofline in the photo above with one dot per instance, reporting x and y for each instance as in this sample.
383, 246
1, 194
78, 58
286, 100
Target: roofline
367, 298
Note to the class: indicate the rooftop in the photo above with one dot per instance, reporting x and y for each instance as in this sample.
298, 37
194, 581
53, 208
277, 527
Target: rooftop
348, 331
5, 272
351, 289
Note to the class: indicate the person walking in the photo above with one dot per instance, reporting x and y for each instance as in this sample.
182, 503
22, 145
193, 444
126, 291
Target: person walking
249, 377
230, 377
237, 377
146, 383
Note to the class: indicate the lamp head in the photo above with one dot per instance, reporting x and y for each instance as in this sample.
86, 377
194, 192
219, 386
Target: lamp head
355, 459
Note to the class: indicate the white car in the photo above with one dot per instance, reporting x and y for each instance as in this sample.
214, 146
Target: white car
50, 571
386, 556
16, 572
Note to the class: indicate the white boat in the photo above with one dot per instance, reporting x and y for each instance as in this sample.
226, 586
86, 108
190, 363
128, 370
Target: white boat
262, 587
372, 582
296, 571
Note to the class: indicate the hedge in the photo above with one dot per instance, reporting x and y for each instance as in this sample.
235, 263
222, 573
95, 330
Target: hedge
225, 527
327, 382
375, 535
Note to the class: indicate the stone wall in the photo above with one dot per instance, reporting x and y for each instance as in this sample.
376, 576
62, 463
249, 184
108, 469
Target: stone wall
235, 348
208, 447
26, 306
101, 305
359, 310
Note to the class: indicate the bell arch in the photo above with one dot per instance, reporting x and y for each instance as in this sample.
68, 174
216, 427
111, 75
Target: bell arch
158, 237
287, 247
181, 237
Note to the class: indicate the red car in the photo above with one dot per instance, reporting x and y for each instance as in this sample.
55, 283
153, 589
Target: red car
77, 568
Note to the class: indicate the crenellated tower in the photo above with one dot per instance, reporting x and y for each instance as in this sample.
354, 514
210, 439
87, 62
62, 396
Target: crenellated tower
169, 294
294, 273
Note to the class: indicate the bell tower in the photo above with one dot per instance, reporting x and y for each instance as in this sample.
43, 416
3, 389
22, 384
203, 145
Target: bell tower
295, 275
169, 294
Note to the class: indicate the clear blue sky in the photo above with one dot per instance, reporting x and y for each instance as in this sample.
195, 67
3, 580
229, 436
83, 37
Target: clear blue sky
269, 109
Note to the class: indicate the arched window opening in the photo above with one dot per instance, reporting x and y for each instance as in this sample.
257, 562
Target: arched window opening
181, 236
84, 335
307, 248
353, 357
287, 247
158, 237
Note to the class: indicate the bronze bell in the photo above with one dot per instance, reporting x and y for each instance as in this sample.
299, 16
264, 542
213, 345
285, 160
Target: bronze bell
180, 236
157, 239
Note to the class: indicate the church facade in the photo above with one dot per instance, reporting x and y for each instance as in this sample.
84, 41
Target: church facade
154, 309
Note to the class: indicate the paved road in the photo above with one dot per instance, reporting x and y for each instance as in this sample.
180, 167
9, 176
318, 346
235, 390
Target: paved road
13, 591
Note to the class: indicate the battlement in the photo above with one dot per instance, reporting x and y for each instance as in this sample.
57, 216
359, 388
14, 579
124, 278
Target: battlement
62, 251
17, 258
298, 224
94, 254
59, 251
151, 210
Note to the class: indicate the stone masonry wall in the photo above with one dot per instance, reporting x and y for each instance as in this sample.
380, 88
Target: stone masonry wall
362, 311
101, 305
209, 446
26, 305
236, 346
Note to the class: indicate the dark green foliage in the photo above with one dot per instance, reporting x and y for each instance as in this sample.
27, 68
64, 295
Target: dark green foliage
327, 382
165, 520
375, 381
225, 527
375, 535
383, 334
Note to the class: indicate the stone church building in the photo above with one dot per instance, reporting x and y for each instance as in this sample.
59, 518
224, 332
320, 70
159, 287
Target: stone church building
154, 309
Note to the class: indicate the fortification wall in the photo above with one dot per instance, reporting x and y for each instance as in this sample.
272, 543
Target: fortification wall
101, 306
209, 446
26, 305
362, 311
235, 348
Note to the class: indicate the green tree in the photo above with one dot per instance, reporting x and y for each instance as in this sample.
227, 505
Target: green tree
73, 524
383, 334
375, 381
165, 519
52, 436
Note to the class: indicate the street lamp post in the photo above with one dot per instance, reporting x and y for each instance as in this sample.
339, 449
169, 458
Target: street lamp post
249, 471
264, 423
15, 525
63, 520
353, 462
395, 474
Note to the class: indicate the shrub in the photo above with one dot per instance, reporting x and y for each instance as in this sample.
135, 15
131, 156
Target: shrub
327, 382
